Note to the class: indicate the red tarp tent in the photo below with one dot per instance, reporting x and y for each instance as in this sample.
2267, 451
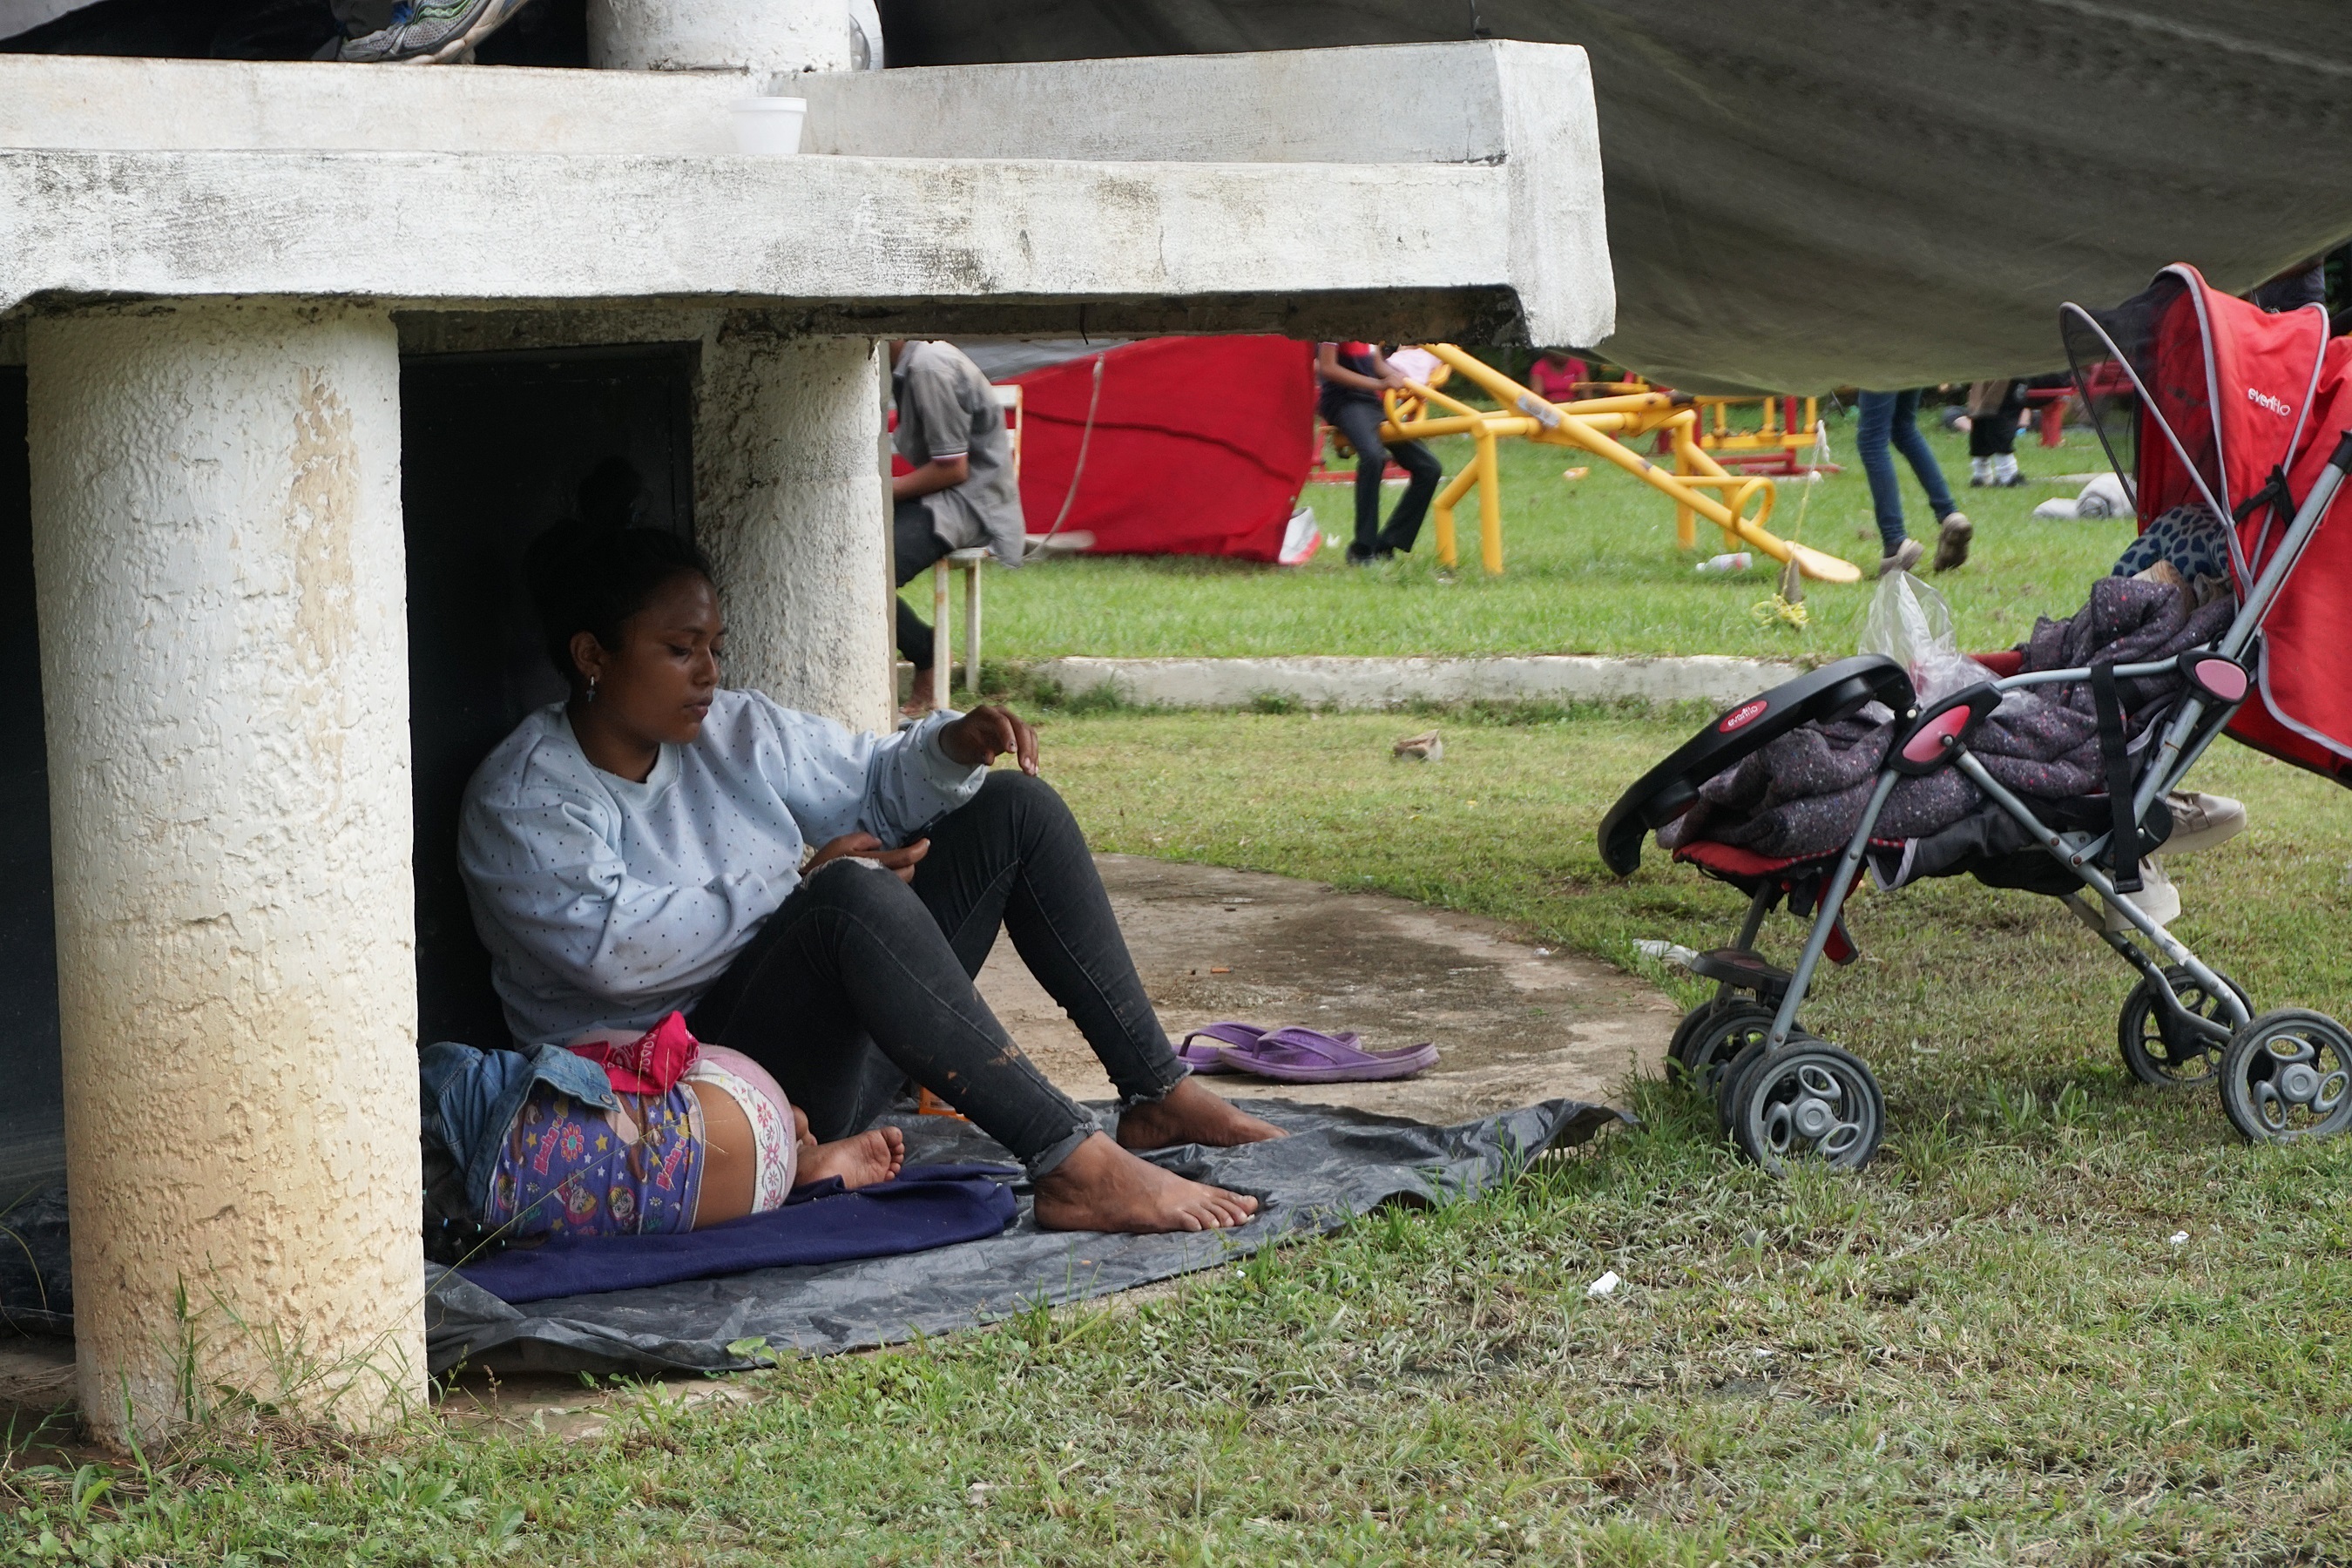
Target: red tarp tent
1201, 445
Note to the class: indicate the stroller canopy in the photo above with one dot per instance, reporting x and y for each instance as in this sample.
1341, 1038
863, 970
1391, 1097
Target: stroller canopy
2238, 412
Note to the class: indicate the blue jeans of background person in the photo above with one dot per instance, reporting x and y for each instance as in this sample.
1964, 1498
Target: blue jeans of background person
1360, 424
1884, 417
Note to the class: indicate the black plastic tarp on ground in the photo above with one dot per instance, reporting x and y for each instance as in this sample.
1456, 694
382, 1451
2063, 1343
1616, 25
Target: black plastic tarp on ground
1881, 193
1335, 1165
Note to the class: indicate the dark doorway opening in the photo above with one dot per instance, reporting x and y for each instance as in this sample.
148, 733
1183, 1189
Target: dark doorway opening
32, 1113
494, 448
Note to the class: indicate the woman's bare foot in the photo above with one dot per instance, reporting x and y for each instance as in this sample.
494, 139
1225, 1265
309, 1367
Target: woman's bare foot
1191, 1114
1101, 1186
859, 1161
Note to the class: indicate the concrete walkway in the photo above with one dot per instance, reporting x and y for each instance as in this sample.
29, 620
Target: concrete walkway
1360, 683
1513, 1024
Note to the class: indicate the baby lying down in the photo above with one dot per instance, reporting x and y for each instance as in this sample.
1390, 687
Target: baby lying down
622, 1135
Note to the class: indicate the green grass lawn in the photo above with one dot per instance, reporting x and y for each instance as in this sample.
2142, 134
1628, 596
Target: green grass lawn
1591, 568
1988, 1347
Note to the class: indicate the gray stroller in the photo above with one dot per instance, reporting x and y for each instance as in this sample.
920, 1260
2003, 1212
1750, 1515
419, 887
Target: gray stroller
2243, 429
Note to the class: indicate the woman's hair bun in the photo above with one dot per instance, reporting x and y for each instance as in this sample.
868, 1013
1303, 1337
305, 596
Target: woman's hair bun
592, 572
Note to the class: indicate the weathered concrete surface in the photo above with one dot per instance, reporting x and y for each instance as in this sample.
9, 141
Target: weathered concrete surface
962, 246
154, 179
789, 502
1513, 1026
770, 38
1524, 109
1361, 683
101, 103
216, 539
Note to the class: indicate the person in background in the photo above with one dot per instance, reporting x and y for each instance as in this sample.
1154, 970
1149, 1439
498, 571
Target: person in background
1885, 419
1557, 375
428, 32
1352, 377
1993, 408
960, 492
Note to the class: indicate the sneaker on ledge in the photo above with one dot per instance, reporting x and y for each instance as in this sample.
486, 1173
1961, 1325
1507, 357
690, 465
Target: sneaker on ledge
432, 32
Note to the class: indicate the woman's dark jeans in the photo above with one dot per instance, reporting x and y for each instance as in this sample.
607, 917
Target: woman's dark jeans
860, 981
1881, 416
1360, 424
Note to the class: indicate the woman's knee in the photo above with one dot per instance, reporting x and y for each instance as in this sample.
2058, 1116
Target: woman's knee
1015, 796
868, 893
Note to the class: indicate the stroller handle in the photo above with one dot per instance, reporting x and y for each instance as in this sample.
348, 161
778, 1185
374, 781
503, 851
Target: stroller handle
1671, 788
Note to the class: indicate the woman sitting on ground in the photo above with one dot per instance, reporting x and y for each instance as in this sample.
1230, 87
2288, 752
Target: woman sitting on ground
639, 850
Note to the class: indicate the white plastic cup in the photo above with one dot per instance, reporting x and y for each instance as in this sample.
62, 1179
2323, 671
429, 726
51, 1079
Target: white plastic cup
769, 125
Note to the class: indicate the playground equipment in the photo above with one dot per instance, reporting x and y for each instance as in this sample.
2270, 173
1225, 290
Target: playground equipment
1773, 447
1698, 485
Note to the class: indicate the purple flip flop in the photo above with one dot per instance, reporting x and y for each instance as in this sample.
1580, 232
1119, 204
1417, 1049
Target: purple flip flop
1210, 1059
1207, 1058
1297, 1055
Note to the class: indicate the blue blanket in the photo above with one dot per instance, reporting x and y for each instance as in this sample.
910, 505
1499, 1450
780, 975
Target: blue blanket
926, 1206
1335, 1164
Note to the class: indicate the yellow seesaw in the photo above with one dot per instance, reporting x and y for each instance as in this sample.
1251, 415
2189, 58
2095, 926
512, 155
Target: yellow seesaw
1595, 425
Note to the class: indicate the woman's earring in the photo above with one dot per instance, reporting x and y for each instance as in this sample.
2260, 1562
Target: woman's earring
592, 689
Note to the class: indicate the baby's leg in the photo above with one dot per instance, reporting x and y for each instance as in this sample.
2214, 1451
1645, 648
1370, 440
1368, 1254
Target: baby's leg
860, 1161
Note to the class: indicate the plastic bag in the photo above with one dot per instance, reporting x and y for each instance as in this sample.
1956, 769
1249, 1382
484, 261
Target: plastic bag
1910, 623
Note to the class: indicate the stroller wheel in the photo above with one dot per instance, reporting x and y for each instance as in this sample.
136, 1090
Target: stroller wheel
2149, 1038
1727, 1082
2288, 1074
1710, 1036
1711, 1049
1809, 1101
1696, 1019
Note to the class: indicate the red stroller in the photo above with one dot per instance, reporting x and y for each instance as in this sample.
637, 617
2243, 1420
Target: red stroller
2244, 416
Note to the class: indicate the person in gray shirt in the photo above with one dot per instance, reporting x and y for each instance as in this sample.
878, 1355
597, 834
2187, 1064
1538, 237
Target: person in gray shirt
961, 493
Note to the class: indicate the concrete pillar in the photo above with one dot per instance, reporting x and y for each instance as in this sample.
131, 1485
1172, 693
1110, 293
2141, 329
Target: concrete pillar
786, 503
220, 565
785, 498
765, 38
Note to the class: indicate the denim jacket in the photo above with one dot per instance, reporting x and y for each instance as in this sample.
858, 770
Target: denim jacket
471, 1099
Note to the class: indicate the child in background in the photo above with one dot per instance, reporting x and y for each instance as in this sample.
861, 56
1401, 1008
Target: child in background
1993, 408
1555, 375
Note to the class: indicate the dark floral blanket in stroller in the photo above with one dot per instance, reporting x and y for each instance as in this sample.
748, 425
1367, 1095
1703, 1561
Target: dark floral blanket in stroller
1803, 795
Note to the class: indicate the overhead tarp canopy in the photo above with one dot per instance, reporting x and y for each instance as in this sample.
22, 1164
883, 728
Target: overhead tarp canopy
1882, 193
